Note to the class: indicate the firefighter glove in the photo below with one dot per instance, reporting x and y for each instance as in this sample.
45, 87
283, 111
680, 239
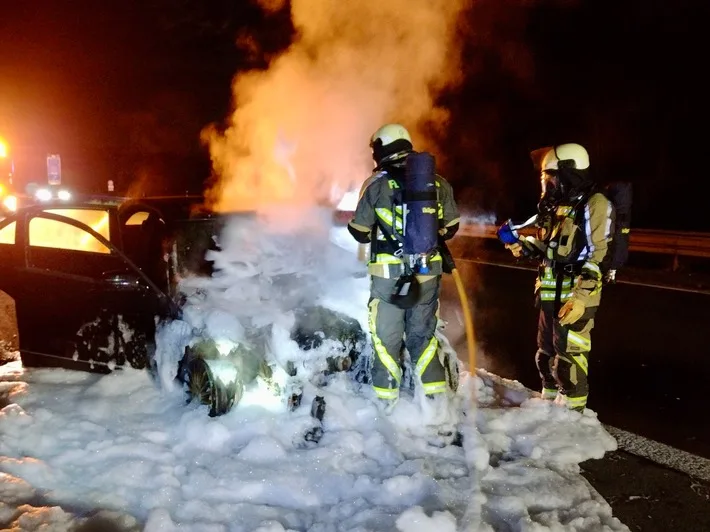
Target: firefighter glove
359, 232
516, 249
571, 311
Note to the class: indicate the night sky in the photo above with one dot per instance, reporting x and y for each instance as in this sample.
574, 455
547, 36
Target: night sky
122, 89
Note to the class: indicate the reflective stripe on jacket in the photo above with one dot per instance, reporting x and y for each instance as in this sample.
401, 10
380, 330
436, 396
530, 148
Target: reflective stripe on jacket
577, 243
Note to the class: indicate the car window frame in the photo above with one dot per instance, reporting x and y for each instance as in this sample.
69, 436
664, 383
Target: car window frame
116, 251
9, 220
130, 208
41, 213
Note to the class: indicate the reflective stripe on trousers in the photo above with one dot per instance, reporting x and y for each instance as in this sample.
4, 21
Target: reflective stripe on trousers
563, 354
383, 355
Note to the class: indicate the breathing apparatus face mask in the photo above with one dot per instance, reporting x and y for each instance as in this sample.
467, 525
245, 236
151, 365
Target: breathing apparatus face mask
552, 191
563, 186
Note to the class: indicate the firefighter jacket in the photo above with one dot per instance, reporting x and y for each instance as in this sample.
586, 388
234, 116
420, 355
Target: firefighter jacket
576, 244
380, 203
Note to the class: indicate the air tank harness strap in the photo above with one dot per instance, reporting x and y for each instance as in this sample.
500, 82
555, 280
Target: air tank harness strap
561, 272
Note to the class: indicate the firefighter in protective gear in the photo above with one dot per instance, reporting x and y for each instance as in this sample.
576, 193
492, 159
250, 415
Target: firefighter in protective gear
575, 228
378, 213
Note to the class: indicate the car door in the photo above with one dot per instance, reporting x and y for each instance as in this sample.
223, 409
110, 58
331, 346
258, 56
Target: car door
80, 302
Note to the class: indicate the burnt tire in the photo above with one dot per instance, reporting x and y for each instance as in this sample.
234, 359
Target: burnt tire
313, 325
205, 388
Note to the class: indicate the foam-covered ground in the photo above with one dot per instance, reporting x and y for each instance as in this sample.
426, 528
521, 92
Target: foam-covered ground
127, 450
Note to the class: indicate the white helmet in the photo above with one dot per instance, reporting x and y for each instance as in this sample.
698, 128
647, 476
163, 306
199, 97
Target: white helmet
390, 143
388, 133
565, 156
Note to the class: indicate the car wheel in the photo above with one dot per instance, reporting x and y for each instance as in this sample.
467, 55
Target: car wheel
209, 390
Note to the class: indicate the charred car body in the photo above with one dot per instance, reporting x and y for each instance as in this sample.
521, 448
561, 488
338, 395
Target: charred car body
91, 278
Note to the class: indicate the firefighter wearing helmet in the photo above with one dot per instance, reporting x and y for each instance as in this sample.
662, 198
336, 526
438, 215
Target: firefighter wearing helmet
575, 228
411, 321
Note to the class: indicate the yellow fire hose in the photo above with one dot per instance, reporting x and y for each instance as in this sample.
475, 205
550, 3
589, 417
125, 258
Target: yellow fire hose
467, 317
468, 322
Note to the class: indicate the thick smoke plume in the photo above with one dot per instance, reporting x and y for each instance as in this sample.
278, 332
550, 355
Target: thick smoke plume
299, 131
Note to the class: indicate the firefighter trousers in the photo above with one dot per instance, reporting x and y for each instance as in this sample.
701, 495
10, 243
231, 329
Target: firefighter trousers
563, 355
392, 328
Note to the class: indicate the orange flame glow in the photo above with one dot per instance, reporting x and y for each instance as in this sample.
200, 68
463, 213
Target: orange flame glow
300, 130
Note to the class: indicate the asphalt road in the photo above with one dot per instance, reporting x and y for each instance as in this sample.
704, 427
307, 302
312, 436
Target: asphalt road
647, 497
650, 362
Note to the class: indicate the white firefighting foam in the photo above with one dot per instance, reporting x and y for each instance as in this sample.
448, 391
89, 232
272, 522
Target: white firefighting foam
119, 452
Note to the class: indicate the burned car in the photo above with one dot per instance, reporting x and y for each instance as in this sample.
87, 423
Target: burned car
92, 279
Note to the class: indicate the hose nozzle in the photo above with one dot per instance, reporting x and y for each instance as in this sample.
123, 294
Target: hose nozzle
508, 234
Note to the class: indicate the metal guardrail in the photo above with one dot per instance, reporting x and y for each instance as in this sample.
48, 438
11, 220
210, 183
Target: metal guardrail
676, 243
